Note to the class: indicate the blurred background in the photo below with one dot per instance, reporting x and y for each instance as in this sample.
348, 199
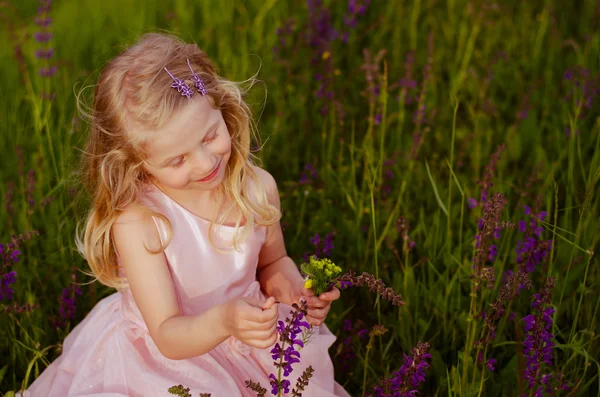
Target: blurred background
447, 147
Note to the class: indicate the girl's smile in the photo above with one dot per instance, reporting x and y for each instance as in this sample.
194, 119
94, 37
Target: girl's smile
211, 176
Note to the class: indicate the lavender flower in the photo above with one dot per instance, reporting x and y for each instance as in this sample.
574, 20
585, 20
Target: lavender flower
309, 175
9, 255
472, 203
14, 307
351, 18
43, 37
323, 247
532, 250
582, 86
44, 54
284, 354
488, 224
6, 292
405, 381
67, 305
388, 174
375, 285
538, 343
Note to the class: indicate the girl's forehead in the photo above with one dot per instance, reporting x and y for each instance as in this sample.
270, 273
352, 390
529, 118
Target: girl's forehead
192, 120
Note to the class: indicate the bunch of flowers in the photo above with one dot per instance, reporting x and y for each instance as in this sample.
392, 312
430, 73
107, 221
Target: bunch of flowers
320, 274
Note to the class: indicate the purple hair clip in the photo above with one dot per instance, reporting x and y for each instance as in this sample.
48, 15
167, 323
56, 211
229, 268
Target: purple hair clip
199, 82
181, 86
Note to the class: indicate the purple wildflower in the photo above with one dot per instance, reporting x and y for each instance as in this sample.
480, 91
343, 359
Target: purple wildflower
488, 224
472, 203
290, 334
67, 305
489, 172
42, 37
375, 285
67, 302
44, 54
323, 247
345, 284
47, 72
538, 343
6, 292
309, 175
42, 22
405, 381
583, 86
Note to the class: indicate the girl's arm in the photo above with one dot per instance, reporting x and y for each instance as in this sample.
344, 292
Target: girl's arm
277, 273
176, 336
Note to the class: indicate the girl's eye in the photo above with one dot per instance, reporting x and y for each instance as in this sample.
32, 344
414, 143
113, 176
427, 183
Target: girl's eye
212, 138
179, 163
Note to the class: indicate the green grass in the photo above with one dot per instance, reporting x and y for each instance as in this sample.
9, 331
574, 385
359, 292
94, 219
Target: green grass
458, 45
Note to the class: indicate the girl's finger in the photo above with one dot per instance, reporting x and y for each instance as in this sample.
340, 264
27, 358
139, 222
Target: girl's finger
267, 315
330, 295
257, 335
261, 343
318, 313
314, 302
307, 292
315, 322
268, 303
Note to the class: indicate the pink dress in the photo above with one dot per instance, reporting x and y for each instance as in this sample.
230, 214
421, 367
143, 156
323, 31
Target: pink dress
110, 353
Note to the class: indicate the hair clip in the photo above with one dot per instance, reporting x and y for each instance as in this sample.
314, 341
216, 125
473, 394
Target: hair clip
199, 82
181, 85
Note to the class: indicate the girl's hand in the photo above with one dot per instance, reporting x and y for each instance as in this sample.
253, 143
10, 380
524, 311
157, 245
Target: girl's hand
318, 306
252, 321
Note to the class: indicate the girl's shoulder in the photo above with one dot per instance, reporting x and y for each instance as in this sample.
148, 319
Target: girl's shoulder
268, 183
135, 224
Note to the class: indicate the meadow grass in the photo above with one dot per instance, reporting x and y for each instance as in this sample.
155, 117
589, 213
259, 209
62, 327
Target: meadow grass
385, 131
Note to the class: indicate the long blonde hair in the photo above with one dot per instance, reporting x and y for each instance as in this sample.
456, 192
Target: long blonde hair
133, 91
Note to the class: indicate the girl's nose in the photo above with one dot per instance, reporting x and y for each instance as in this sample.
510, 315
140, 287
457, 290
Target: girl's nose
204, 164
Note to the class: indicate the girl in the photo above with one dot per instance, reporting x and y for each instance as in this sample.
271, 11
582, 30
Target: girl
186, 227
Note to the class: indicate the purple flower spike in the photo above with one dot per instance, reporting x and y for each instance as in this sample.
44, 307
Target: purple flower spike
472, 203
181, 85
42, 37
43, 22
6, 292
47, 72
44, 54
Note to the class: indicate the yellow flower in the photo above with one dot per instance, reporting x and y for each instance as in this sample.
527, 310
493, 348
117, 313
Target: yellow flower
338, 269
328, 272
308, 284
326, 55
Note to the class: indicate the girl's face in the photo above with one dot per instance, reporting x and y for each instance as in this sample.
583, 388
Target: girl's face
191, 151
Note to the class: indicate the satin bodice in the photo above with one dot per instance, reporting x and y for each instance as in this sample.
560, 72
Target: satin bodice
202, 276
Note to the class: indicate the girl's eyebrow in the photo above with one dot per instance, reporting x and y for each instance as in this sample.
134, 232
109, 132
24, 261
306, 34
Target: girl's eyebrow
210, 129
